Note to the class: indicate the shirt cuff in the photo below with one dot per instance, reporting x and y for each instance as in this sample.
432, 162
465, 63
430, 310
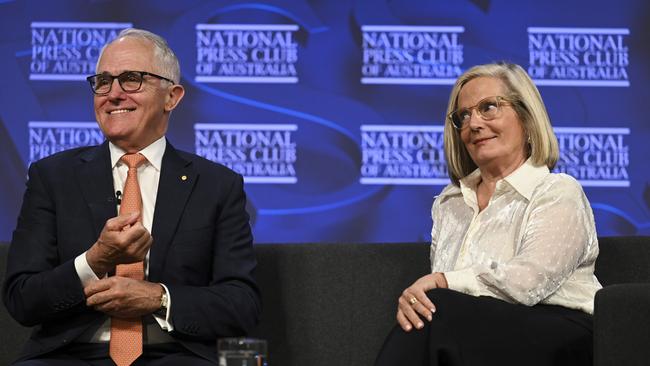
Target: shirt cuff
85, 273
464, 280
165, 323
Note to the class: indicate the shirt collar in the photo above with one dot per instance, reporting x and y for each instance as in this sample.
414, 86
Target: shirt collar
468, 187
524, 180
154, 153
470, 181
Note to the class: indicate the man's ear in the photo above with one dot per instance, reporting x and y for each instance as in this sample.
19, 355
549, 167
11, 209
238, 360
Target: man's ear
174, 96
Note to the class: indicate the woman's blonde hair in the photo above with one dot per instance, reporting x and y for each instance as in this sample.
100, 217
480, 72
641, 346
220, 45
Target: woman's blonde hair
527, 103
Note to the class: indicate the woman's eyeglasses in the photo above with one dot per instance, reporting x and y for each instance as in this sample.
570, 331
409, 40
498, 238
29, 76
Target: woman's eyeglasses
487, 108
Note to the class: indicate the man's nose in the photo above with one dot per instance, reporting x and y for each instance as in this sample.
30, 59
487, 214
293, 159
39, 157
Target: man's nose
116, 90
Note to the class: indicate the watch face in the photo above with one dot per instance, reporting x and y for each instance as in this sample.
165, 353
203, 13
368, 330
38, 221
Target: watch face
162, 312
163, 300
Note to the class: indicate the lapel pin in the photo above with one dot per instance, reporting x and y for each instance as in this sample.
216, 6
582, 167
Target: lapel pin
183, 177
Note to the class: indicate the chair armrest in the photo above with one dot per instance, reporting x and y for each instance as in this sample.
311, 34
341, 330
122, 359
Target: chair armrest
622, 325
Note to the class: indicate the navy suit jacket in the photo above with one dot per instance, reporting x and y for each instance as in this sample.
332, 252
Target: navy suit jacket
202, 248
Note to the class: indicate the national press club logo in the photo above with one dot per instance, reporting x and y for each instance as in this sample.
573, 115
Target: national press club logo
47, 138
597, 157
411, 54
68, 51
403, 155
579, 56
246, 53
414, 155
262, 153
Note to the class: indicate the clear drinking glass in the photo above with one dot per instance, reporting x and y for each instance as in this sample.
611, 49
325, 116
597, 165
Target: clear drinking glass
242, 352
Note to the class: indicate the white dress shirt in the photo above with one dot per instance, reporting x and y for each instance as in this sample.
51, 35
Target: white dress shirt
148, 178
535, 242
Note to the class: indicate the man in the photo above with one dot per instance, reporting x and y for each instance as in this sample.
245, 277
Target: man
71, 263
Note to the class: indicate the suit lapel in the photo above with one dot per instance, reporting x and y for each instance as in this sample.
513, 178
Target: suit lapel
177, 179
95, 181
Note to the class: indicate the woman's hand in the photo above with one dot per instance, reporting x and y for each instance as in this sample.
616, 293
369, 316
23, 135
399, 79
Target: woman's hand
414, 302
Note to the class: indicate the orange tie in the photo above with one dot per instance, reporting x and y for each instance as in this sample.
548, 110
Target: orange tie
126, 334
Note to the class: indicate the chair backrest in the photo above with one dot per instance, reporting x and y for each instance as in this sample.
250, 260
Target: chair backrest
623, 259
332, 304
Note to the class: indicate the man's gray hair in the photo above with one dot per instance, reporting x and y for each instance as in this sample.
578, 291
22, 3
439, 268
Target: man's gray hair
165, 57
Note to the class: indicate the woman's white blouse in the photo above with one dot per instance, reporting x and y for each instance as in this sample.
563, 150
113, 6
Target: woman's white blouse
535, 242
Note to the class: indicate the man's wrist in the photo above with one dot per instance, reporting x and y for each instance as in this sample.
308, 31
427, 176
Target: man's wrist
164, 303
96, 263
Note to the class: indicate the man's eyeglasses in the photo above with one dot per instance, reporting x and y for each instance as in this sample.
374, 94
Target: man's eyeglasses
488, 108
130, 81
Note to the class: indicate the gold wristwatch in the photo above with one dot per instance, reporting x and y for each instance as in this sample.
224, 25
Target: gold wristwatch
164, 303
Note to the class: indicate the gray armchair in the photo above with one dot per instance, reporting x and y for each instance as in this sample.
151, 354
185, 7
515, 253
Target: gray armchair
622, 307
333, 304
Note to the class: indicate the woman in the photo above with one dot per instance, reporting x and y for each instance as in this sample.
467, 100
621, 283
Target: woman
513, 245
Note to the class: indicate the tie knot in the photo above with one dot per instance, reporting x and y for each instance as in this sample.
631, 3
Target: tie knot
133, 160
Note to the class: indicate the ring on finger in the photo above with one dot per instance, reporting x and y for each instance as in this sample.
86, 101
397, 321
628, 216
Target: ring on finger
413, 301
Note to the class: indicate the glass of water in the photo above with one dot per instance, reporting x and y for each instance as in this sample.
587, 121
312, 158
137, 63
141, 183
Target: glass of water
242, 352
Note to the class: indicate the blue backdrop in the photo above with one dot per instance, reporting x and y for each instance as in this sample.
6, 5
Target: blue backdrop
333, 109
